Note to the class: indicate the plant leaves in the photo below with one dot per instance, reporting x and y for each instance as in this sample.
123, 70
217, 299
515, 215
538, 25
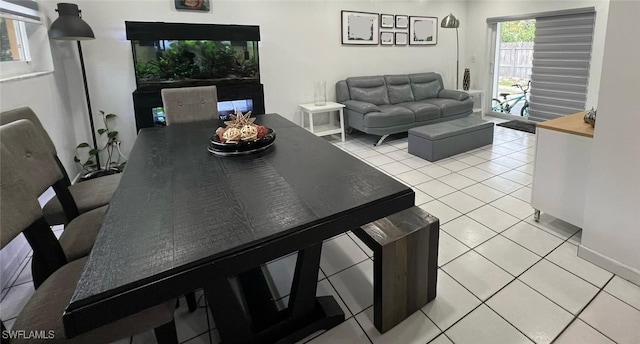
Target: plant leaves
89, 163
83, 145
112, 134
101, 131
110, 116
75, 159
101, 112
94, 151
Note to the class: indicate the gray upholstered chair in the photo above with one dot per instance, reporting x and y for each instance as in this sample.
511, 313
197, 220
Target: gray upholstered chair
21, 213
190, 104
26, 151
86, 196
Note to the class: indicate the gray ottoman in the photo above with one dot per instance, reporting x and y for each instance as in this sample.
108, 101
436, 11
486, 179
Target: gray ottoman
441, 140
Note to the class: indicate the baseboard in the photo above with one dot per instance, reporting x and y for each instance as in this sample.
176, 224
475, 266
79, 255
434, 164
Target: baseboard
609, 264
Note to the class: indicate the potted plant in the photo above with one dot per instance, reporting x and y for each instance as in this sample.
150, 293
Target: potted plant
90, 168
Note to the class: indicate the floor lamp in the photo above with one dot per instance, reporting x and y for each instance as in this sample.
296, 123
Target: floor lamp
70, 27
451, 22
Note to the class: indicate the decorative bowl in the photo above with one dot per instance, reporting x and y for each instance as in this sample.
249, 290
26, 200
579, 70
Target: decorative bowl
242, 147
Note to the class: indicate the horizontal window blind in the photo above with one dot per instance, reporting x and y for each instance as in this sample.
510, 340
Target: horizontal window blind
24, 10
561, 60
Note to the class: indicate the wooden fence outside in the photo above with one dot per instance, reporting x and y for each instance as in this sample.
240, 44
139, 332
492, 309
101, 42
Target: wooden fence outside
516, 59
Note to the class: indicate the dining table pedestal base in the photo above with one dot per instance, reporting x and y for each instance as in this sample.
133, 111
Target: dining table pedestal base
236, 327
245, 311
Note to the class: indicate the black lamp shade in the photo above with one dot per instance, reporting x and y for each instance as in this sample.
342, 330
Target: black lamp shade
69, 26
450, 22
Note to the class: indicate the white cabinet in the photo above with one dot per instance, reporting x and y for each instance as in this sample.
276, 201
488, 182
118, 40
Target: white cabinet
561, 175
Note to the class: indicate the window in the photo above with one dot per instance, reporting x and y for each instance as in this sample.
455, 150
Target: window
14, 48
13, 41
24, 41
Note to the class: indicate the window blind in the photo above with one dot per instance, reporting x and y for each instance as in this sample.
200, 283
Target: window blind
24, 10
561, 60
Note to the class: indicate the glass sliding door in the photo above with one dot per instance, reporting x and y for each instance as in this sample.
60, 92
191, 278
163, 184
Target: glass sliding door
512, 66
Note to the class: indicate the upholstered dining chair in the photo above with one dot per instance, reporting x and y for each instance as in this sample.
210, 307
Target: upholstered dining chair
21, 213
27, 153
85, 196
190, 104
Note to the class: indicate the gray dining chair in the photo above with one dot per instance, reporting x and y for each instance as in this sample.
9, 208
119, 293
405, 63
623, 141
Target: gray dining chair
190, 104
20, 213
27, 152
85, 196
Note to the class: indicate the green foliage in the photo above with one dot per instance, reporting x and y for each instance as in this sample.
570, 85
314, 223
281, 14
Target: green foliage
147, 70
5, 45
519, 31
196, 60
90, 153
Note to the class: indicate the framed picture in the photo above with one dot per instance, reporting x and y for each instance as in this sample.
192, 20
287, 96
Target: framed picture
423, 30
192, 5
386, 21
402, 21
386, 38
401, 38
360, 28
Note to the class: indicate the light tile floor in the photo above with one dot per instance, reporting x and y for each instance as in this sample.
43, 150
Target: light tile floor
503, 277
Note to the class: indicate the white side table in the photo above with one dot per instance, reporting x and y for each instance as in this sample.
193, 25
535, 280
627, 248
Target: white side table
332, 127
479, 94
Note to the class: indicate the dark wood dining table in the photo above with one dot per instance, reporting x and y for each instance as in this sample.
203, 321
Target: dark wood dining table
184, 219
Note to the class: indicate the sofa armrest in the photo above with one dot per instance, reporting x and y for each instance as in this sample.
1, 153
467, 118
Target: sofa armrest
453, 94
361, 107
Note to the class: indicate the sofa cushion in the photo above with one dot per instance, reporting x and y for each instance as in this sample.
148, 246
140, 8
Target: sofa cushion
370, 89
425, 85
391, 115
422, 111
399, 88
450, 107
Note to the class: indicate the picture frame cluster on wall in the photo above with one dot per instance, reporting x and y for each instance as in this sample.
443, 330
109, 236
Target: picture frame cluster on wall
367, 28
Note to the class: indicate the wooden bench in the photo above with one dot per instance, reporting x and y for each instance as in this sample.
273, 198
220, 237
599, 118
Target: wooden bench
405, 264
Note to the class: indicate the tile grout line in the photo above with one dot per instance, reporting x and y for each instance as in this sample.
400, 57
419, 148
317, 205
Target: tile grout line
619, 299
503, 287
540, 293
577, 316
15, 276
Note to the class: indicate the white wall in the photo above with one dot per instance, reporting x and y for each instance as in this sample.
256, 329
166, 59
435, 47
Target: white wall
478, 37
300, 42
611, 234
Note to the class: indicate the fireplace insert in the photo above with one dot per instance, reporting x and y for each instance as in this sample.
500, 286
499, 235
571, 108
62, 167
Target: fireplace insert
168, 55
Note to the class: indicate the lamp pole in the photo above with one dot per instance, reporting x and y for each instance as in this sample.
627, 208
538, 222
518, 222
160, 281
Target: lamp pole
457, 64
69, 26
86, 93
451, 22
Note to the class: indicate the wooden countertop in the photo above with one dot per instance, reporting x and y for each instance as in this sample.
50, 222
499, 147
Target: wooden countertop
571, 124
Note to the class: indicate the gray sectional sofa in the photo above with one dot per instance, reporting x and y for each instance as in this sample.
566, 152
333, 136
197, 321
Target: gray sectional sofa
389, 104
